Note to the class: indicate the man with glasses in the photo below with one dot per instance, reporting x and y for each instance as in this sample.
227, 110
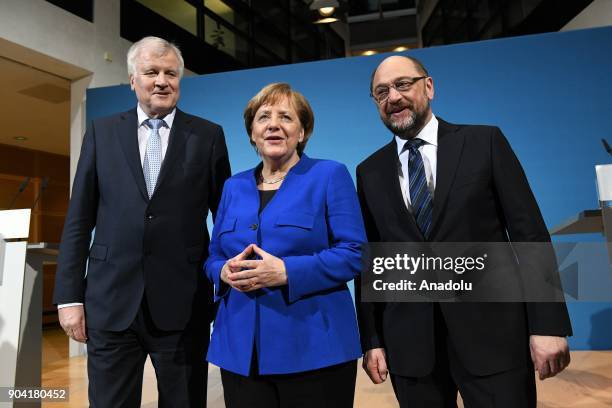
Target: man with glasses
441, 182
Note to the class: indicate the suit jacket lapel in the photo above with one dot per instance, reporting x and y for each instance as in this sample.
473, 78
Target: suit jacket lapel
450, 147
127, 134
390, 180
181, 129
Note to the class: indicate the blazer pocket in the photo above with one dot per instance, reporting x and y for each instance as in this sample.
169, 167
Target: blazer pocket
295, 219
98, 252
193, 164
474, 178
193, 169
228, 225
195, 253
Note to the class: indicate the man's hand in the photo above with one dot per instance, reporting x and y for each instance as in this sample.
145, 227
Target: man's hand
375, 365
550, 355
72, 320
255, 274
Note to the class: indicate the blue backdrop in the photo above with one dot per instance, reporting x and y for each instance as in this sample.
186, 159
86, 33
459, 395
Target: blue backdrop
549, 93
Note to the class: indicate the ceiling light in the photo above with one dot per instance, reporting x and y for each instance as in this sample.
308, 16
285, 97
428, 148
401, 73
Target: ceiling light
326, 20
368, 52
20, 138
327, 11
400, 49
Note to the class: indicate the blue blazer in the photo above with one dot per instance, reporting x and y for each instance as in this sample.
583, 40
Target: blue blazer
314, 224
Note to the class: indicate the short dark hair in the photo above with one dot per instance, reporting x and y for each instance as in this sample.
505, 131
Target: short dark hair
418, 64
271, 94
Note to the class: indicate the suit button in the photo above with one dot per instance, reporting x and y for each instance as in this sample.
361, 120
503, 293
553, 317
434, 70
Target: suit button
253, 227
150, 216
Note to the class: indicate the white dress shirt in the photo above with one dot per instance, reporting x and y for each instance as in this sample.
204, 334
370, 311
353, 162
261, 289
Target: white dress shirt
143, 138
429, 153
144, 131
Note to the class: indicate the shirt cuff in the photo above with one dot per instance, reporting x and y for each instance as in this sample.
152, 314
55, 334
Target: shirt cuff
68, 305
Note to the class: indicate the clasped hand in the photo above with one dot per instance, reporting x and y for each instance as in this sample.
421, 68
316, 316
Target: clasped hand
246, 275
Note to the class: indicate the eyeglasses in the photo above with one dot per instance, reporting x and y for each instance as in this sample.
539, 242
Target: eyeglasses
381, 93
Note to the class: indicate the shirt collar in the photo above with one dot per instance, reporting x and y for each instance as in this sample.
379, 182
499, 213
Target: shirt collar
142, 116
429, 134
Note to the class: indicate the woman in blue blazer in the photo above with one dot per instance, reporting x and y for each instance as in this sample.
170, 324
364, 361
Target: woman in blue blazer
287, 238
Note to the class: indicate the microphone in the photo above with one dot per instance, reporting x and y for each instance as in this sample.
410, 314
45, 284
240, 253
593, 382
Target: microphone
43, 186
22, 187
607, 146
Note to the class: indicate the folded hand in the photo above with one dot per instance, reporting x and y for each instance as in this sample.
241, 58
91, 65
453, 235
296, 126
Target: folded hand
247, 275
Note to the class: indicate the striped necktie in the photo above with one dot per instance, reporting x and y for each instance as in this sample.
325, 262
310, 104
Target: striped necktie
153, 155
420, 197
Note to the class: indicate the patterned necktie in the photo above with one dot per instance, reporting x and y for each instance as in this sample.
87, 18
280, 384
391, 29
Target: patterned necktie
153, 155
420, 197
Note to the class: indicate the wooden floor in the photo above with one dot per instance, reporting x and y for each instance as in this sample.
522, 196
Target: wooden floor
587, 383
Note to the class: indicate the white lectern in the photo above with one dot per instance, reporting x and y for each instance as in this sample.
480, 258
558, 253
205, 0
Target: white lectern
594, 221
14, 231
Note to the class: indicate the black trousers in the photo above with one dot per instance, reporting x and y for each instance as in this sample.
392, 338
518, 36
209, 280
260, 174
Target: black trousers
509, 389
115, 364
329, 387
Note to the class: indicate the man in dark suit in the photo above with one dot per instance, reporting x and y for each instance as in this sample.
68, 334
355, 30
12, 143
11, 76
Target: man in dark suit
145, 181
440, 182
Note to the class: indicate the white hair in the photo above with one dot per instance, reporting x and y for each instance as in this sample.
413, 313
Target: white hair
158, 46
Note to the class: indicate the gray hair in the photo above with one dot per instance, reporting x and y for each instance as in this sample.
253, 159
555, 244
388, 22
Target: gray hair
159, 46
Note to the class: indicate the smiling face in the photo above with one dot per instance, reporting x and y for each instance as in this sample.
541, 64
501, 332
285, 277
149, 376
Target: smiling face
156, 82
276, 131
404, 113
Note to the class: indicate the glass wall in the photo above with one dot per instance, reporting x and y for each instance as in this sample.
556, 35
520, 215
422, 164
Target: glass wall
252, 32
179, 12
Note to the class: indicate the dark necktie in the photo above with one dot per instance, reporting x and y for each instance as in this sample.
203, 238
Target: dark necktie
420, 197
